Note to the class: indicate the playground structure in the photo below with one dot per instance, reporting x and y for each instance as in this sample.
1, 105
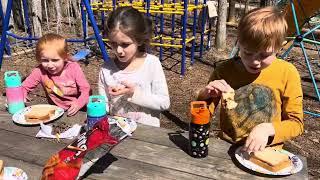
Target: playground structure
181, 33
183, 30
30, 38
179, 21
299, 13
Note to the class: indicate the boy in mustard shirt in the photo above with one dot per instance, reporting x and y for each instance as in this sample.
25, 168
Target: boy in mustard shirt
267, 89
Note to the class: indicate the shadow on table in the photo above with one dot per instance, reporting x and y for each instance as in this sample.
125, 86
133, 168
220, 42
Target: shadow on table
183, 125
231, 153
179, 140
102, 164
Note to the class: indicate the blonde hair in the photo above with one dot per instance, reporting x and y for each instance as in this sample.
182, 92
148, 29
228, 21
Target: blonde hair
262, 28
52, 41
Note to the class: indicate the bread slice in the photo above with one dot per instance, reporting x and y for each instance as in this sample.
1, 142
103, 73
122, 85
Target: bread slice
270, 159
39, 114
1, 169
228, 100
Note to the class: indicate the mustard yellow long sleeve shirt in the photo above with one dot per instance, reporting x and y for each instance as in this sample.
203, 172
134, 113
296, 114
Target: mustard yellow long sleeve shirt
272, 96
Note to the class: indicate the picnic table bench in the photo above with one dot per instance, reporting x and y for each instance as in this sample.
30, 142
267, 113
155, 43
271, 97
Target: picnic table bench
151, 153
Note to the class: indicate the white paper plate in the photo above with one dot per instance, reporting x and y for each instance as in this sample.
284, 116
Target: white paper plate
296, 166
13, 173
18, 117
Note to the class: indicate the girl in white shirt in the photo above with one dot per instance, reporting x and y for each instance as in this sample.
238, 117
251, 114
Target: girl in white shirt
133, 81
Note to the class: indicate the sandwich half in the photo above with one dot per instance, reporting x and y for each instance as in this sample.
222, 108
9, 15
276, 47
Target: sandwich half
1, 169
39, 114
271, 159
228, 100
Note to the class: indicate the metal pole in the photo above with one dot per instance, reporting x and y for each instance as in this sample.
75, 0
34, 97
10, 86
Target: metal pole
194, 32
184, 34
96, 30
84, 21
204, 17
4, 30
161, 33
172, 29
26, 17
310, 70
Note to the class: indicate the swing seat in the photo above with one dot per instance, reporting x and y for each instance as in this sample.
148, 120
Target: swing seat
81, 54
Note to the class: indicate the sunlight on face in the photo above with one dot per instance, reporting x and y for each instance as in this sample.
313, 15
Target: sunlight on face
123, 46
254, 62
51, 61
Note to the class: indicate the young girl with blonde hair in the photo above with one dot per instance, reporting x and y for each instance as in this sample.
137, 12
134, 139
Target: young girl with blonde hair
63, 80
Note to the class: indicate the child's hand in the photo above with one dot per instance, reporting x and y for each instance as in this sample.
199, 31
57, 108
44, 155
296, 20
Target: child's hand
73, 109
126, 88
258, 137
216, 87
115, 89
27, 100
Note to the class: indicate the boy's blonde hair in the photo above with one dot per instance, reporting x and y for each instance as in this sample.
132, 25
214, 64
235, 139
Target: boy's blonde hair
262, 28
52, 41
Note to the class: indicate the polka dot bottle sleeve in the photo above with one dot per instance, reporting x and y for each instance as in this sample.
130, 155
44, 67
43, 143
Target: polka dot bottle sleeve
199, 129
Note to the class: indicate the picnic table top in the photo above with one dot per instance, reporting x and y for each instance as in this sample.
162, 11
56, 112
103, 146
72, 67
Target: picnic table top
151, 153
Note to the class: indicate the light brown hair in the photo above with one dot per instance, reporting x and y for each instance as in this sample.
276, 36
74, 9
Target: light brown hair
52, 41
262, 28
132, 23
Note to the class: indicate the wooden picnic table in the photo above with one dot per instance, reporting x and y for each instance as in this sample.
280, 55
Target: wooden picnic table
151, 153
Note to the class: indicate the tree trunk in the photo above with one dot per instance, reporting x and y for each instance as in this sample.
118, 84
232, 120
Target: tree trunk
59, 16
264, 3
52, 9
36, 17
246, 6
75, 9
17, 14
232, 11
221, 26
4, 9
77, 16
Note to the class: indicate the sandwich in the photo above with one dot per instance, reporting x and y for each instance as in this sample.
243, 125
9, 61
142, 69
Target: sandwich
1, 170
270, 159
228, 100
39, 114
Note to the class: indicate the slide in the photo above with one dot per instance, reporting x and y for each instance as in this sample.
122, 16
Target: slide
304, 10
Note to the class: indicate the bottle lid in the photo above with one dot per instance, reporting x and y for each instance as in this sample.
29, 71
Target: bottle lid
199, 112
96, 106
12, 79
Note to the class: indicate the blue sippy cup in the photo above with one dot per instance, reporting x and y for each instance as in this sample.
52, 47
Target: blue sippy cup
96, 110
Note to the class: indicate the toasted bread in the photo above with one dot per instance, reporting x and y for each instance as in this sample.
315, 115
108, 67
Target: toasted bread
228, 100
39, 114
1, 169
271, 159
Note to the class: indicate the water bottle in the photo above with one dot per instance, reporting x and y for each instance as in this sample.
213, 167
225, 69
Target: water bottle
199, 129
96, 110
14, 92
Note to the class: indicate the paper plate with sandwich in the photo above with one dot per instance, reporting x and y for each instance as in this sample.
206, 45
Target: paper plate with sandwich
36, 114
270, 161
11, 173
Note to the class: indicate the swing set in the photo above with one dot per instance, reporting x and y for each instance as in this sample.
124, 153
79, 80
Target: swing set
177, 26
86, 12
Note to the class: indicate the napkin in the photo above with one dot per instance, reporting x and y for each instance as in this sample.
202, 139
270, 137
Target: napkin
46, 131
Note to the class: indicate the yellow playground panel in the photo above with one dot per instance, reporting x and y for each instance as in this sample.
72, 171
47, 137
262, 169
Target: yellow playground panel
155, 8
169, 35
